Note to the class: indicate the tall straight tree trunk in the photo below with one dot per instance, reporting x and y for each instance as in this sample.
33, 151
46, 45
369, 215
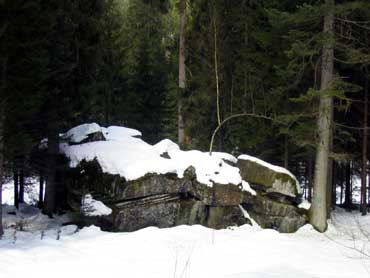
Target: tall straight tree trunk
334, 187
49, 202
21, 182
1, 161
310, 178
329, 187
318, 210
341, 184
348, 191
364, 153
182, 73
368, 195
2, 122
53, 149
41, 191
16, 186
286, 152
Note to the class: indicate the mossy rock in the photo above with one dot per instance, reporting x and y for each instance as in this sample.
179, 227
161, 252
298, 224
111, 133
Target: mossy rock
153, 184
171, 213
271, 214
270, 180
167, 201
158, 214
88, 177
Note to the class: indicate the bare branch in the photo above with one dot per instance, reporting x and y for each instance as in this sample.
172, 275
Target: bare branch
238, 116
356, 23
216, 67
351, 127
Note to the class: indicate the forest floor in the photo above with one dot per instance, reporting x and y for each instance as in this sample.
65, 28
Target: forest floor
48, 249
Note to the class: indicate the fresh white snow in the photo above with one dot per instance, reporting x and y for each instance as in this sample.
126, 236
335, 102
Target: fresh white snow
92, 207
246, 187
31, 191
166, 146
130, 157
28, 219
81, 132
119, 132
305, 205
35, 246
125, 154
190, 251
209, 169
226, 157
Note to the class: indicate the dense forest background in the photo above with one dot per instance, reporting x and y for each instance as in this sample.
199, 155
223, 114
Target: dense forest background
115, 62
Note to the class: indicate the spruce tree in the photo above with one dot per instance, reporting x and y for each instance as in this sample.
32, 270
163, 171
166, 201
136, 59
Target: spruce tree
148, 99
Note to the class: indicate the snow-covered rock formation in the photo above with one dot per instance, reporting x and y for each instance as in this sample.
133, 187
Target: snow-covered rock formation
161, 185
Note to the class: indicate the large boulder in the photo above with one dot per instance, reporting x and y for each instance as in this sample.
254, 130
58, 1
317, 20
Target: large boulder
155, 200
268, 177
160, 185
166, 201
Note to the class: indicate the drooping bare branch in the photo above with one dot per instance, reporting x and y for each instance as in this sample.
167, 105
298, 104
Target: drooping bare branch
238, 116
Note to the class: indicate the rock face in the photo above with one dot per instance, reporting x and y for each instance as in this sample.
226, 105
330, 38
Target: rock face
166, 201
275, 205
269, 194
270, 178
273, 214
156, 200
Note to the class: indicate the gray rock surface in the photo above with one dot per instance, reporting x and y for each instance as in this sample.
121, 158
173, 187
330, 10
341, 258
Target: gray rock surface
273, 214
167, 201
270, 180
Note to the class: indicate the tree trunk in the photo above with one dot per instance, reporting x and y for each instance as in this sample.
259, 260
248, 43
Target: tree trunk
364, 154
49, 205
21, 183
53, 149
41, 191
182, 73
286, 152
318, 210
1, 159
107, 106
348, 192
334, 187
16, 185
341, 187
329, 187
4, 71
368, 195
310, 179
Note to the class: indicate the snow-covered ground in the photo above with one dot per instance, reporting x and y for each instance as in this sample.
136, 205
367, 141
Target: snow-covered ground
35, 246
356, 190
31, 191
190, 251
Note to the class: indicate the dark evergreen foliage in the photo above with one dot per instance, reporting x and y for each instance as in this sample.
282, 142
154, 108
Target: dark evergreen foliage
114, 62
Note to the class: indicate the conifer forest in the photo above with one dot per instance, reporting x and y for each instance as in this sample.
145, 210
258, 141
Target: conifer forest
118, 117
